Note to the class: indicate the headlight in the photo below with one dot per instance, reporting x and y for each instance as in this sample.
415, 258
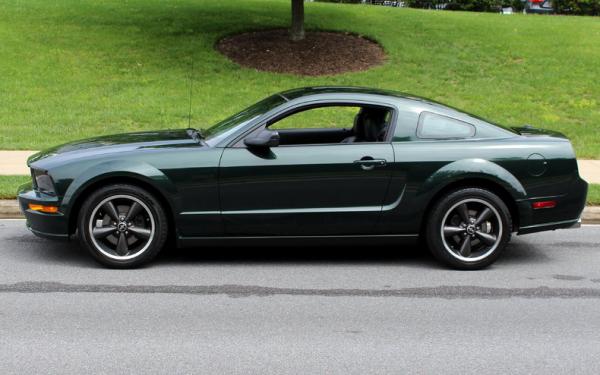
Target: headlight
43, 182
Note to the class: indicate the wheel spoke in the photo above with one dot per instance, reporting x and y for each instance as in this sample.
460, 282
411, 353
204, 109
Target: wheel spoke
463, 212
451, 230
122, 248
133, 211
101, 232
140, 232
465, 246
111, 211
483, 216
486, 238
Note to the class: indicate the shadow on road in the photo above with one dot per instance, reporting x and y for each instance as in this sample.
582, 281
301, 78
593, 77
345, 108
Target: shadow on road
293, 254
32, 249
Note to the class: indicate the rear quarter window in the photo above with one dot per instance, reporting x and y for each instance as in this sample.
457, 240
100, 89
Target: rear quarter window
434, 126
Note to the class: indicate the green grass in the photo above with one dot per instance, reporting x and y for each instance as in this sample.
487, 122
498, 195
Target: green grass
71, 69
9, 185
593, 197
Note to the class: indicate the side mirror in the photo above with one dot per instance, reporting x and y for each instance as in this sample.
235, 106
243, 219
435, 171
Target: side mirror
266, 138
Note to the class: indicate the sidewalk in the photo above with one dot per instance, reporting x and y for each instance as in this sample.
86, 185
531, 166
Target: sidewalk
14, 163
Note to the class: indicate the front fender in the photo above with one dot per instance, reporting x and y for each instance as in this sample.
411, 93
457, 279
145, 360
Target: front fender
474, 168
118, 168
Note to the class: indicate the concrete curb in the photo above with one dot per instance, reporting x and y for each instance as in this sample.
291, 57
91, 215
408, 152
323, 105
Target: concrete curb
591, 215
9, 209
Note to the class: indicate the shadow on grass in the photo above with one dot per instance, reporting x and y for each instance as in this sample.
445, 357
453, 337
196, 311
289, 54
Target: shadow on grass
163, 31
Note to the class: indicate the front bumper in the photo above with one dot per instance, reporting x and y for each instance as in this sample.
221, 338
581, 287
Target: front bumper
52, 226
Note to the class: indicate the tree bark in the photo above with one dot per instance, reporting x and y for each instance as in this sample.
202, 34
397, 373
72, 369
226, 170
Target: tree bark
297, 30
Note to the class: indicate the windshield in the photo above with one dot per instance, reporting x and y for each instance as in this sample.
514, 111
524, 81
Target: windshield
228, 126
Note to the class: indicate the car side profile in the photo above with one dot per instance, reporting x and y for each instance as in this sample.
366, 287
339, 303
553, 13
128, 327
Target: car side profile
310, 166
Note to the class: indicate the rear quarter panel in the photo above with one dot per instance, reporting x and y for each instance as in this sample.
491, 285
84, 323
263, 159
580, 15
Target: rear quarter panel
424, 168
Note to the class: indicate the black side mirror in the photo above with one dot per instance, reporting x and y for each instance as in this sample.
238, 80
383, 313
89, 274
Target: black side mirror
266, 138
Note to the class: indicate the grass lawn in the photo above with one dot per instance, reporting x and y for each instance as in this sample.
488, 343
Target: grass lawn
71, 69
594, 194
9, 185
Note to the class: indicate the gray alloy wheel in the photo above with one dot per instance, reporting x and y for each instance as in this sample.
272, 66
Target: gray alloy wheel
471, 230
468, 228
122, 226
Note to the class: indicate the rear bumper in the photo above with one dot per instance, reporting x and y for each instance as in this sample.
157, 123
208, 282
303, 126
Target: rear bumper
566, 214
568, 224
52, 226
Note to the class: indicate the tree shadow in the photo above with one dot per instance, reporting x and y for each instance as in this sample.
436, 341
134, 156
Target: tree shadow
167, 27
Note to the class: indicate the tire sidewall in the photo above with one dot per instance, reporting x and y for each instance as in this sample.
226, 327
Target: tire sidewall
433, 229
155, 208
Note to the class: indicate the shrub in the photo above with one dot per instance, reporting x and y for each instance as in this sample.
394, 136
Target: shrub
470, 5
341, 1
581, 7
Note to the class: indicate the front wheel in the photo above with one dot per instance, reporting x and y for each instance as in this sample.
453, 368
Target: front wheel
122, 226
469, 228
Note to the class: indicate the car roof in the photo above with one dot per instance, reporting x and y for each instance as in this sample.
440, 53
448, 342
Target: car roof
316, 90
423, 103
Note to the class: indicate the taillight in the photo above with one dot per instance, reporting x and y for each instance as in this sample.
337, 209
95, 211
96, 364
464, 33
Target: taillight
543, 204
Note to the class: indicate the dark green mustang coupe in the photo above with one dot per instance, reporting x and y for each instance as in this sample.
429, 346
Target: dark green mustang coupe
310, 166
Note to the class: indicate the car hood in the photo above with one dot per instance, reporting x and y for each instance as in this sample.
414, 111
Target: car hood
117, 143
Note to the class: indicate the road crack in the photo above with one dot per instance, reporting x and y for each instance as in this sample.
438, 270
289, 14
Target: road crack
443, 292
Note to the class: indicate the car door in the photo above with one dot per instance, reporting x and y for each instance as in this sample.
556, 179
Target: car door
304, 189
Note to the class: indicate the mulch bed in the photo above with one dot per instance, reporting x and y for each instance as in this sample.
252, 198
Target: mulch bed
320, 53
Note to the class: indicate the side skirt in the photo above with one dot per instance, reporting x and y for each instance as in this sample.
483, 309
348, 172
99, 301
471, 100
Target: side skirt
352, 240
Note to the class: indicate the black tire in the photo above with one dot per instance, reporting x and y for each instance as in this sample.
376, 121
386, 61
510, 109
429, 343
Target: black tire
444, 229
131, 241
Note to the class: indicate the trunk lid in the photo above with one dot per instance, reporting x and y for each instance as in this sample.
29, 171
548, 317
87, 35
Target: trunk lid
531, 131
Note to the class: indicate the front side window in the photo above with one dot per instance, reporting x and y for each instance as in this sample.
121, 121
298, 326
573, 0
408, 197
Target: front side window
333, 124
434, 126
319, 118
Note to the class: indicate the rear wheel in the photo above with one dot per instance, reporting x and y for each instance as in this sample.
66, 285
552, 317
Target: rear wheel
122, 226
469, 228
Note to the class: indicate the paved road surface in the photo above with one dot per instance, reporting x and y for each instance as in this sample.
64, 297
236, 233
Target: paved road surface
300, 311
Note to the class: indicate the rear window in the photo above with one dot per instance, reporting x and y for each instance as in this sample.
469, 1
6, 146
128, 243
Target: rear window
434, 126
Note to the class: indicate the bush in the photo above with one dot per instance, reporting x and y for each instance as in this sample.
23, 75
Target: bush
469, 5
517, 5
341, 1
581, 7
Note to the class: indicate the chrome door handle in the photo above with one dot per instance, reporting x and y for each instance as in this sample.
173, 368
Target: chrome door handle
367, 163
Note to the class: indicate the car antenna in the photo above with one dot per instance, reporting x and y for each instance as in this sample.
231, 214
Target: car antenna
191, 84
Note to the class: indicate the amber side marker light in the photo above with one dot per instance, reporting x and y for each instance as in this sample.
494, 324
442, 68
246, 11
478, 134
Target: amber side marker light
543, 204
42, 208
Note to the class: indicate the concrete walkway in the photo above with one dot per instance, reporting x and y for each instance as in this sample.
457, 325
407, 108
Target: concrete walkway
590, 170
14, 163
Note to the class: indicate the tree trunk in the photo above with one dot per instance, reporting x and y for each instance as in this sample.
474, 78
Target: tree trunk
297, 30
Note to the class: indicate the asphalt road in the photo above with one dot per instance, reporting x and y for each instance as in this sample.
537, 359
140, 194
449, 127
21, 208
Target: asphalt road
293, 310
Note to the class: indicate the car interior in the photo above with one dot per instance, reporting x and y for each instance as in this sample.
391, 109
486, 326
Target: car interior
371, 124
